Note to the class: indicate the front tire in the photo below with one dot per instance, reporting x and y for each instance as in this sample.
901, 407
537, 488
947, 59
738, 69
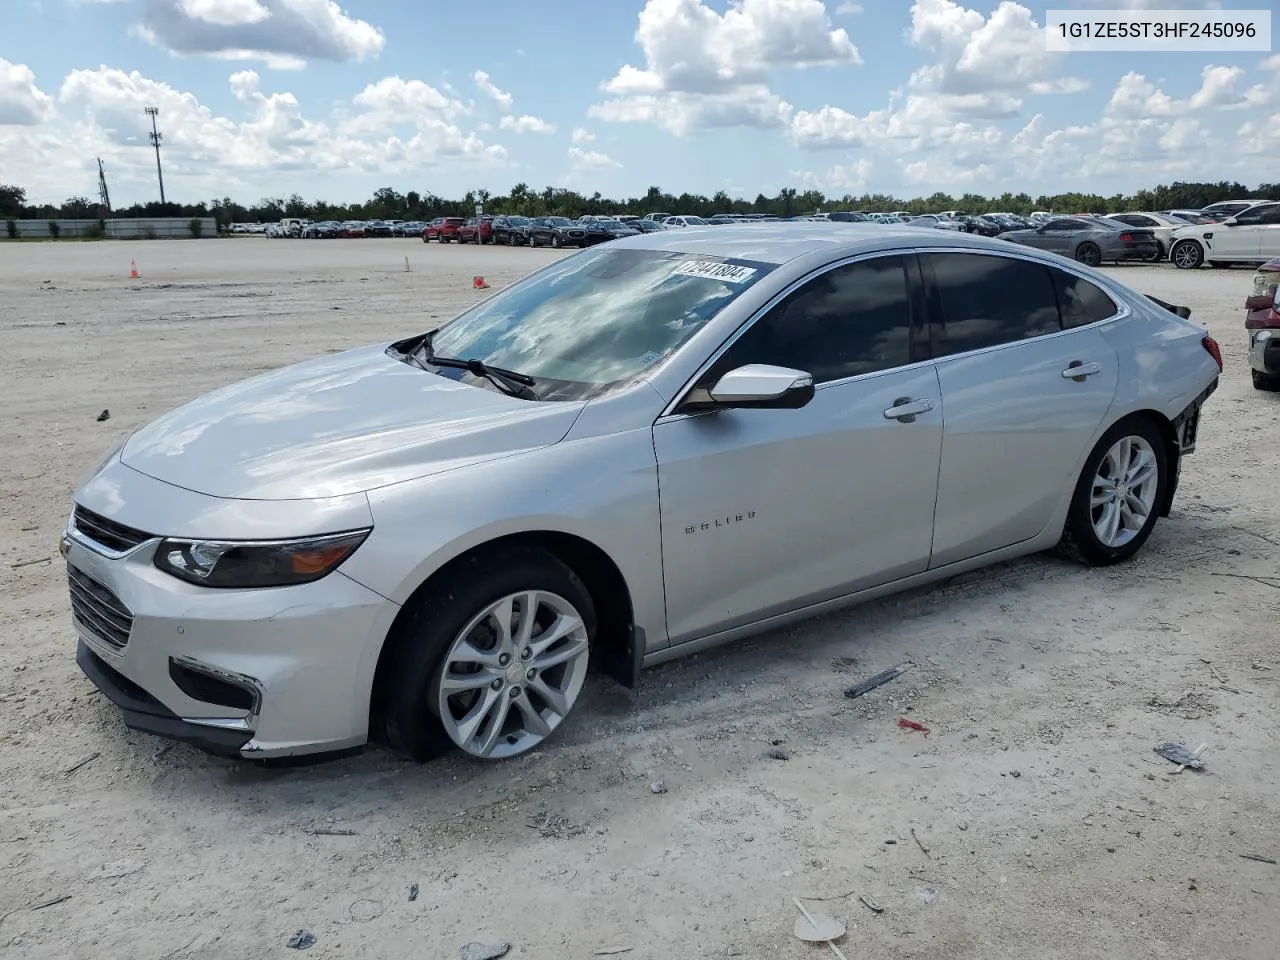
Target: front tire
1187, 255
1117, 498
491, 660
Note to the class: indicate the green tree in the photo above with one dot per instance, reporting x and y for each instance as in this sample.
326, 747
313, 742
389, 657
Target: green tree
12, 200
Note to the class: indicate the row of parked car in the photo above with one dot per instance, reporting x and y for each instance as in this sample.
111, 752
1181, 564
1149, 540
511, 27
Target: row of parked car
1221, 234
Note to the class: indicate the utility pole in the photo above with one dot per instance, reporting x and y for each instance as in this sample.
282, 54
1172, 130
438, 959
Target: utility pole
156, 137
104, 198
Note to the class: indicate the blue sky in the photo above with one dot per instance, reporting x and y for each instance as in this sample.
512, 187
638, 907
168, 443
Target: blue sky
334, 99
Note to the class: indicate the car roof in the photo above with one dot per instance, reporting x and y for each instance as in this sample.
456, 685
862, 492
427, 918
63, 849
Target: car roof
780, 242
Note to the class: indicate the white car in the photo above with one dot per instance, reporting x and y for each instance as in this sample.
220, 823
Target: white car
1250, 237
1230, 208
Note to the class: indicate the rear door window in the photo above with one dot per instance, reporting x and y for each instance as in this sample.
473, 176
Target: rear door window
985, 300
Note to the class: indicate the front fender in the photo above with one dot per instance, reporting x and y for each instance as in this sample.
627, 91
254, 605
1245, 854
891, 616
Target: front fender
603, 489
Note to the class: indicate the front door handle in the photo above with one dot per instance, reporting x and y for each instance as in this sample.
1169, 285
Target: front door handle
906, 409
1077, 371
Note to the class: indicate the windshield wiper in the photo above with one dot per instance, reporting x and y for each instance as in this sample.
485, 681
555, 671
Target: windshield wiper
508, 381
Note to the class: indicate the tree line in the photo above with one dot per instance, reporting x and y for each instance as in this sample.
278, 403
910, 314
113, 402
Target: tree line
389, 204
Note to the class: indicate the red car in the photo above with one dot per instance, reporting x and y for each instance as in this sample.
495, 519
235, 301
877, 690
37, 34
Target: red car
1263, 325
476, 230
443, 229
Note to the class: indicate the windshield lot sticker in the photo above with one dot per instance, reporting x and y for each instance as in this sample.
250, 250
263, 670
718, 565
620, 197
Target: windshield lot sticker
650, 358
714, 270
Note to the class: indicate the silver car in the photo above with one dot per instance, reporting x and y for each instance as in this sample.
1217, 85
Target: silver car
640, 451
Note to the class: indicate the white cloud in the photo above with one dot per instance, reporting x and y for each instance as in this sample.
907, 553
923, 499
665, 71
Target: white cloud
582, 136
281, 33
1137, 97
585, 167
490, 90
848, 9
984, 57
226, 13
704, 69
22, 103
590, 159
837, 179
685, 113
526, 124
392, 129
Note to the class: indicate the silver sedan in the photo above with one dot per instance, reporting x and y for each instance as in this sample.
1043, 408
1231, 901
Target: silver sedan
640, 451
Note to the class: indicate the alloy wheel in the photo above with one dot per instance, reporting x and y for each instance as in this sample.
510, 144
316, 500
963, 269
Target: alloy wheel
1187, 255
512, 674
1124, 491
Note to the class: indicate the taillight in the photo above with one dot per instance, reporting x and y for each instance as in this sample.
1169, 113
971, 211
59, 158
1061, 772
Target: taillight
1215, 351
1126, 238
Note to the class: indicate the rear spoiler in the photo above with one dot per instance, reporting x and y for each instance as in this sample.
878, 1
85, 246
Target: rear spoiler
1183, 312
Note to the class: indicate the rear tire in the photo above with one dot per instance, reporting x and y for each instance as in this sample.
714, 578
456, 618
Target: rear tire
416, 664
1118, 495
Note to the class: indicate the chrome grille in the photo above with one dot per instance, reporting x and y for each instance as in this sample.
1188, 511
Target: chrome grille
115, 537
98, 610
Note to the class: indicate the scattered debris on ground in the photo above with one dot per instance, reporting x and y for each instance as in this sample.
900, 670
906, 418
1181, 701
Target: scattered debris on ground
302, 940
879, 680
484, 951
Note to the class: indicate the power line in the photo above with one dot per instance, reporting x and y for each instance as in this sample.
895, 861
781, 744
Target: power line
156, 137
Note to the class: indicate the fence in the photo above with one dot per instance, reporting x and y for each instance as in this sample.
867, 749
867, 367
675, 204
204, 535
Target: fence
143, 228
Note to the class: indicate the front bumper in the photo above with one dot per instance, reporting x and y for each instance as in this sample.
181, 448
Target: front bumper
1264, 351
256, 673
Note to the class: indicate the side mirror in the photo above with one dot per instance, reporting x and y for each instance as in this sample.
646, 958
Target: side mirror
762, 386
1231, 222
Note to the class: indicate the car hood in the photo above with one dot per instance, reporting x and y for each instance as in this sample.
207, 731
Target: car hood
336, 425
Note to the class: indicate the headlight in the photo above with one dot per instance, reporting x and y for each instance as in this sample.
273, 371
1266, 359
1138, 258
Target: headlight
260, 563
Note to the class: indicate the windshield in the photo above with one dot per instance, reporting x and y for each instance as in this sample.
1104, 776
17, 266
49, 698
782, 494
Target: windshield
517, 221
591, 321
695, 221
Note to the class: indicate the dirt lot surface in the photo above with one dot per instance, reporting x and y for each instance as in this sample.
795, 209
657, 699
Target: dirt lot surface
679, 821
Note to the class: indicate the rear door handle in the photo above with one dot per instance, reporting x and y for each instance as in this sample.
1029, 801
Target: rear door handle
1078, 371
906, 409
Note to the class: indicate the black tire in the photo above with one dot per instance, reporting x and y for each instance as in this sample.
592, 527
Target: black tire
555, 241
1159, 255
1079, 540
1187, 255
1088, 254
425, 238
409, 675
1262, 381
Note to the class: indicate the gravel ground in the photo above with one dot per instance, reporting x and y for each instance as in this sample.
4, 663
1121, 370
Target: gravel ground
1033, 820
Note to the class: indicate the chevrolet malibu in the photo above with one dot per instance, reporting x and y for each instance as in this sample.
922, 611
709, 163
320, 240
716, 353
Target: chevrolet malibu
640, 451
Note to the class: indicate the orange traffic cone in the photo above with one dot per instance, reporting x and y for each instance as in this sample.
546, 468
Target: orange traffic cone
133, 270
479, 282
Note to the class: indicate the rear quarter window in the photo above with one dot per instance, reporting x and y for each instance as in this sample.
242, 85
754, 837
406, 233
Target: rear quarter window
1080, 301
